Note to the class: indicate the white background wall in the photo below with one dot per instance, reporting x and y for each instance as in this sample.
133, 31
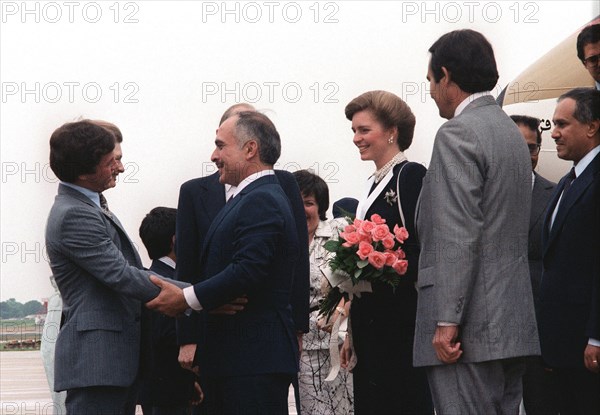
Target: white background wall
165, 71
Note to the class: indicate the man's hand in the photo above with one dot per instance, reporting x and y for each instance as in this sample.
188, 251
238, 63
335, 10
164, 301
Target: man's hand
591, 358
231, 308
186, 355
170, 301
445, 345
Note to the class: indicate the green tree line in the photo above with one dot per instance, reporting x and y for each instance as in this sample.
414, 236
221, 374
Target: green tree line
14, 309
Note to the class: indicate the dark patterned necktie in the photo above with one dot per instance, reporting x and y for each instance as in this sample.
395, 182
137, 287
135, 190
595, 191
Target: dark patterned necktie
104, 205
570, 177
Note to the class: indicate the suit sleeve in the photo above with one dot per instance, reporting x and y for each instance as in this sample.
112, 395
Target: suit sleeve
301, 288
258, 239
187, 240
457, 182
187, 243
86, 241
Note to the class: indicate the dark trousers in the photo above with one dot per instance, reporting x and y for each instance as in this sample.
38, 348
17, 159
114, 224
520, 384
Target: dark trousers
101, 400
265, 394
540, 388
579, 391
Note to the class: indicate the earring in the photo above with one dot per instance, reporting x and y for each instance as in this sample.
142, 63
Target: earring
391, 140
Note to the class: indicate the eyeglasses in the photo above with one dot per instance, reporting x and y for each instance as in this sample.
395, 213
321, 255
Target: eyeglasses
534, 149
591, 60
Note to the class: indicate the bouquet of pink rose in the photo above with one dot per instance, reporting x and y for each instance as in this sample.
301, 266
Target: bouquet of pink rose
366, 251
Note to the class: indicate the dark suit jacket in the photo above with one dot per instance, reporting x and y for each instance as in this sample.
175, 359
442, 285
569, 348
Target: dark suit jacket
569, 293
98, 272
541, 196
250, 248
200, 200
165, 382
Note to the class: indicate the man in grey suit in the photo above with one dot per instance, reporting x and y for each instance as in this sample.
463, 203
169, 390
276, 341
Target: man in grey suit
98, 272
540, 389
475, 315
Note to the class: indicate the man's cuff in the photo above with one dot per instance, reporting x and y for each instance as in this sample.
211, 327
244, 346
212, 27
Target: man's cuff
443, 323
191, 299
594, 342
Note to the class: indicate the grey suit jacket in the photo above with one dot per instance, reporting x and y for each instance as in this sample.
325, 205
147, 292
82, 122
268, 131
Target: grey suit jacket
97, 270
541, 195
472, 223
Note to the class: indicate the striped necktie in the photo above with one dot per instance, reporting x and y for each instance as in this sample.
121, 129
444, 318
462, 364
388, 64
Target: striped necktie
104, 205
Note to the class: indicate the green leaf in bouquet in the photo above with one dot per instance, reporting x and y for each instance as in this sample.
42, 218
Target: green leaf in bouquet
357, 273
362, 264
332, 245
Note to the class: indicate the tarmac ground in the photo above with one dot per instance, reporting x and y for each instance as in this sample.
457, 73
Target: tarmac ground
24, 388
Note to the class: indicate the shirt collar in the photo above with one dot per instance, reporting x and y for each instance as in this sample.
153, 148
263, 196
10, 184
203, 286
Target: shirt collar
468, 100
167, 261
586, 160
249, 180
93, 196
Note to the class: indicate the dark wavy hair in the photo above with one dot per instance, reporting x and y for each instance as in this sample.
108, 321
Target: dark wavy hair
76, 148
530, 122
468, 57
157, 231
312, 185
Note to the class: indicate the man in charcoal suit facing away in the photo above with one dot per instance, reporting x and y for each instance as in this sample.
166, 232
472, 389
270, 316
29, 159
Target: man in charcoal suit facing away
475, 315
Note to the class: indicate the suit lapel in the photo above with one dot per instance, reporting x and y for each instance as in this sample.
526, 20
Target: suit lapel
577, 189
66, 190
231, 207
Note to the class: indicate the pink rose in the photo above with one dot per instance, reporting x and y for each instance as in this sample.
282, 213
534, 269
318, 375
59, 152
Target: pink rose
357, 223
378, 220
401, 233
364, 249
366, 227
400, 253
400, 266
365, 237
349, 228
377, 259
380, 232
352, 238
390, 258
388, 242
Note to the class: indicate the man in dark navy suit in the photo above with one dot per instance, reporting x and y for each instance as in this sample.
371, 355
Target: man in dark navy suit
200, 200
569, 320
250, 358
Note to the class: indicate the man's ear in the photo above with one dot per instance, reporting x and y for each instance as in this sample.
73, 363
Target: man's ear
593, 128
446, 77
251, 149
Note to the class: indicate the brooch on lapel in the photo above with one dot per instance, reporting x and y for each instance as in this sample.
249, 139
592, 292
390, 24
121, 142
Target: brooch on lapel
390, 197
